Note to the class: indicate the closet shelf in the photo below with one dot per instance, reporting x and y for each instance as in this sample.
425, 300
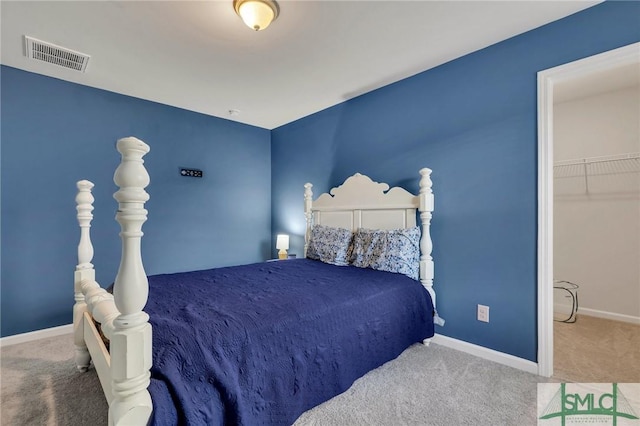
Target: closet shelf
605, 165
585, 168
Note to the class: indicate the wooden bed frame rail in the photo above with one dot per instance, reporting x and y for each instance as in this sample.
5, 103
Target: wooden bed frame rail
125, 374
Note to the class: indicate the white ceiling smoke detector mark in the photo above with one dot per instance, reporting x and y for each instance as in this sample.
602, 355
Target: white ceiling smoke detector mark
48, 52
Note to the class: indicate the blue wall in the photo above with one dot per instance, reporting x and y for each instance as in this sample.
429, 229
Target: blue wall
473, 121
55, 133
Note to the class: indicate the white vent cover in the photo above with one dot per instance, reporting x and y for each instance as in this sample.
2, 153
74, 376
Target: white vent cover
61, 56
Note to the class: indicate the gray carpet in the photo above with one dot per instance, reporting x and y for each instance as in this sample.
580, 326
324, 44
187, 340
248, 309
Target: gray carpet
431, 385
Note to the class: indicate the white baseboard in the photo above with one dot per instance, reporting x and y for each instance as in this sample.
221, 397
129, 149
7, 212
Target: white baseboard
486, 353
608, 315
563, 309
35, 335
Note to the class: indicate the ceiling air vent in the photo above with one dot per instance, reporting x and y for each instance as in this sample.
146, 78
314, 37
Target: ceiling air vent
61, 56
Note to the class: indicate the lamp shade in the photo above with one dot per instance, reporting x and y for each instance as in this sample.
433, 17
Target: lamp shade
282, 242
256, 14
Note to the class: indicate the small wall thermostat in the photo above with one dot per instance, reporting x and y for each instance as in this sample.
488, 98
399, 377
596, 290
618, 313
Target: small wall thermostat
191, 172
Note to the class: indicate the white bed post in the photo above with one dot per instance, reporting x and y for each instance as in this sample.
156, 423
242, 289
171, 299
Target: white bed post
131, 340
426, 261
308, 215
84, 272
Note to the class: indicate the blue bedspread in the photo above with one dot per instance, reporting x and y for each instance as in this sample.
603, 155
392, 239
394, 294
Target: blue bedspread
260, 344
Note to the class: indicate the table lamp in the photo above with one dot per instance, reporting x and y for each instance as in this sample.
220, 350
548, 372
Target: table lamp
282, 244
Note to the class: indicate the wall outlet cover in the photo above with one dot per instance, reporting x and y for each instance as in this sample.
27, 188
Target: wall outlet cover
483, 313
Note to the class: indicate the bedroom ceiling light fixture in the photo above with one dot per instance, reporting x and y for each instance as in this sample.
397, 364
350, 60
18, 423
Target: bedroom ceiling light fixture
282, 244
257, 14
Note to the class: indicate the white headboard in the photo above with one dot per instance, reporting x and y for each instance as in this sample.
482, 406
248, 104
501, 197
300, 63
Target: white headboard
362, 203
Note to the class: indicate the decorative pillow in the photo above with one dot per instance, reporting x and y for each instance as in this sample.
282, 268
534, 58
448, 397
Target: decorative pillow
330, 245
396, 250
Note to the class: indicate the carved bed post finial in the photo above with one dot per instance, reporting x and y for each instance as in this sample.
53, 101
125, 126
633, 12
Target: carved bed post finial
425, 208
426, 245
84, 271
308, 215
84, 206
131, 176
131, 341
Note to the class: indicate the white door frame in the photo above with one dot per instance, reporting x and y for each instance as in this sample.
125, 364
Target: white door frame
546, 80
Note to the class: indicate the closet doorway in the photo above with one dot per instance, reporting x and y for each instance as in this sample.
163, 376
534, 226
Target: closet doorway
596, 222
589, 215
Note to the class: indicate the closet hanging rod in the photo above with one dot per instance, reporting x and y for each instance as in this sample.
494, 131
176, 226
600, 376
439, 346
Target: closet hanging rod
602, 159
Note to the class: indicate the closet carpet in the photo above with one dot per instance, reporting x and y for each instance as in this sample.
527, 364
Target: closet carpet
596, 350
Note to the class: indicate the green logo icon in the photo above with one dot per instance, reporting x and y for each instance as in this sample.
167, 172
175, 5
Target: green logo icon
565, 404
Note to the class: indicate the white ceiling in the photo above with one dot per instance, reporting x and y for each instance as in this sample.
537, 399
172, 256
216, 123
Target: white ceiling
595, 83
198, 55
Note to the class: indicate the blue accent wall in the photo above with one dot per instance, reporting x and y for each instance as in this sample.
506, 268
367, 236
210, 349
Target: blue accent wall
55, 133
474, 122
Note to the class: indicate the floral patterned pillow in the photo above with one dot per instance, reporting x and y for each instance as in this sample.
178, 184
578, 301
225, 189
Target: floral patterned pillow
396, 250
330, 245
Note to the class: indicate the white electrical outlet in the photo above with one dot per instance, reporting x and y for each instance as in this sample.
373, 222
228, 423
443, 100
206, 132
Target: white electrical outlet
483, 313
